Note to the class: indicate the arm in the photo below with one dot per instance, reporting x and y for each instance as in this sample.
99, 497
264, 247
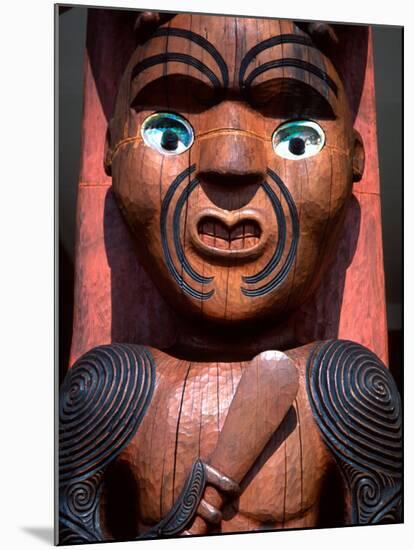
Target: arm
357, 408
102, 402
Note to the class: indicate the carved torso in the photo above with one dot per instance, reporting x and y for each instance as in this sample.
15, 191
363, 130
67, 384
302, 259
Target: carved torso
315, 440
183, 422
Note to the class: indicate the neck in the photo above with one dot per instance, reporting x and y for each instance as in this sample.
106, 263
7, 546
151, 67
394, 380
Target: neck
202, 342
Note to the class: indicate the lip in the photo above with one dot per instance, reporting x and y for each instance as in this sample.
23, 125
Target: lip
229, 220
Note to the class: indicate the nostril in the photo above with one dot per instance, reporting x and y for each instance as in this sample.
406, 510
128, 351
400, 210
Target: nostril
230, 190
231, 178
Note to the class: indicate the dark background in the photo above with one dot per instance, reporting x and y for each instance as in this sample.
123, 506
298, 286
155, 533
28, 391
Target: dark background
388, 79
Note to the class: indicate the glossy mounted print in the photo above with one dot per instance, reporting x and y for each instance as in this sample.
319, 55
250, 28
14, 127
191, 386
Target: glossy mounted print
228, 366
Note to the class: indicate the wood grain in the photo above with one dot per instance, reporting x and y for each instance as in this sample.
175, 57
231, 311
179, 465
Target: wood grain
230, 387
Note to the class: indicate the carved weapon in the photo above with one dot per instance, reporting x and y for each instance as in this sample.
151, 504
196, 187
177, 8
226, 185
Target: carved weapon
265, 393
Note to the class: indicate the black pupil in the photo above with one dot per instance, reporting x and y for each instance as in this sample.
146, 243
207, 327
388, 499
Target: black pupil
297, 146
169, 140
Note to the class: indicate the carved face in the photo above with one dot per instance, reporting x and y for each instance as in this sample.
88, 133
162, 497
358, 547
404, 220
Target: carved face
232, 155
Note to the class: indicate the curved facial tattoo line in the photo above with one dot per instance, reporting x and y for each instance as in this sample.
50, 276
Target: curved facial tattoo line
275, 260
160, 59
270, 267
200, 41
245, 82
166, 203
269, 43
176, 232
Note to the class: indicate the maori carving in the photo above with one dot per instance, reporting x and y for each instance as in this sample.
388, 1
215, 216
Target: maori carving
102, 402
204, 43
190, 60
280, 145
177, 241
253, 279
269, 43
185, 507
79, 510
232, 155
357, 408
281, 224
279, 63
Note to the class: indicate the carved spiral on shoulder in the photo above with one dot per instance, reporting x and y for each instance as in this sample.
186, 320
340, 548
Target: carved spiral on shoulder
357, 403
357, 408
102, 401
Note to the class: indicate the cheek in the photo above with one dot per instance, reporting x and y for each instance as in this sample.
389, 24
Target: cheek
134, 183
141, 179
313, 188
319, 185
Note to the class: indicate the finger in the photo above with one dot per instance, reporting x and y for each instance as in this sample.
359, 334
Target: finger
209, 513
221, 481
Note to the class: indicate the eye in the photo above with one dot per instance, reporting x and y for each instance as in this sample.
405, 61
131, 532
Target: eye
298, 139
167, 133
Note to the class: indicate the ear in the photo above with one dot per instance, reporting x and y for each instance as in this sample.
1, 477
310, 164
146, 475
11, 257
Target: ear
358, 157
108, 151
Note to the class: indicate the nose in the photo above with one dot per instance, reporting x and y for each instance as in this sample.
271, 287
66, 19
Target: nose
232, 159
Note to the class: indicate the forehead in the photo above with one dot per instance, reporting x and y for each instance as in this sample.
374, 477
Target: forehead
234, 52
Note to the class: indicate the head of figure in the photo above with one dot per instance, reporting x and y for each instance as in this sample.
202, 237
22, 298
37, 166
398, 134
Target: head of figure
232, 154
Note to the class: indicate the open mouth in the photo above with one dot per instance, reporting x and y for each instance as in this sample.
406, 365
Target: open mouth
213, 232
232, 235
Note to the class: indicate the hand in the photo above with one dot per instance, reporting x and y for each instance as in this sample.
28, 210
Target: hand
219, 489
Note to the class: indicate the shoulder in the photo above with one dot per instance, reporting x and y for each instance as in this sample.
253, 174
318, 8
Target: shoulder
102, 402
356, 403
357, 408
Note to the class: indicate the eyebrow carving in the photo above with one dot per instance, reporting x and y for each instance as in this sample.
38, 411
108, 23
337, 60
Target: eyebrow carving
269, 43
291, 62
287, 97
199, 95
180, 58
200, 41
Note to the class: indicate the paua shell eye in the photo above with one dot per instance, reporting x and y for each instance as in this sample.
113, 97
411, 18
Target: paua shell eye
298, 139
167, 133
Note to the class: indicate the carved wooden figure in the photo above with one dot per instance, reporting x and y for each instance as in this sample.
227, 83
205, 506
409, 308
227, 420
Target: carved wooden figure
232, 153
